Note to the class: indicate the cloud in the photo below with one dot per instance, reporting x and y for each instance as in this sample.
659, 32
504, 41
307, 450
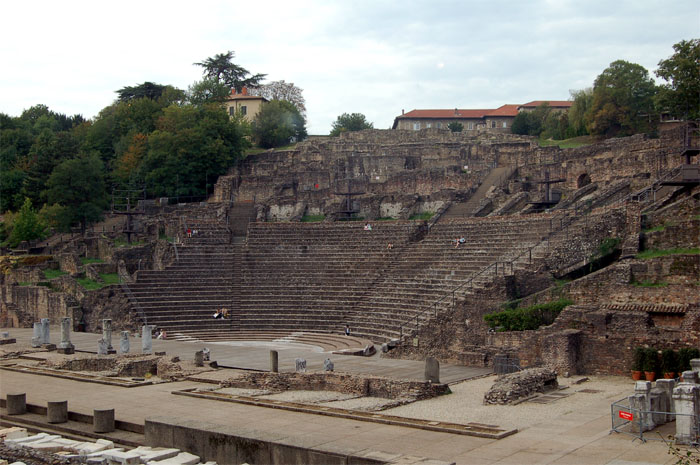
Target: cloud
365, 56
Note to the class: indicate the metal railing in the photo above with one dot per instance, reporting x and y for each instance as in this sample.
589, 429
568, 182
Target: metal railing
134, 302
435, 307
645, 425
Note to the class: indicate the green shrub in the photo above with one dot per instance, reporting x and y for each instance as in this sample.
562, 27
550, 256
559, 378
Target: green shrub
51, 274
669, 361
653, 253
422, 216
638, 360
685, 355
521, 319
651, 360
87, 260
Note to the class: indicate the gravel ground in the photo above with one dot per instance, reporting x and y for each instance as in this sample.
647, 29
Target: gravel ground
366, 404
311, 397
242, 392
465, 404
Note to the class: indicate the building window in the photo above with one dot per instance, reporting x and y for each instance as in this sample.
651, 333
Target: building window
493, 125
244, 110
505, 124
470, 126
438, 125
231, 110
428, 125
416, 126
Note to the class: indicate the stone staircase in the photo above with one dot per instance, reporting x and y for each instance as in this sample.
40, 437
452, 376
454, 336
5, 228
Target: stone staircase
183, 298
496, 177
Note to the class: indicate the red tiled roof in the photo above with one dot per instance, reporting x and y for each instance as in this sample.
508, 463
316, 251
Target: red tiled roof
552, 103
504, 110
445, 114
649, 308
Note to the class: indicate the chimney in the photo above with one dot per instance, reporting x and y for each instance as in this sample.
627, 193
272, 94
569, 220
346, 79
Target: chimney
402, 111
456, 112
244, 91
233, 91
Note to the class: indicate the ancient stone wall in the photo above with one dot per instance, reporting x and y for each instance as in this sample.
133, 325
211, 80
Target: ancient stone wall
521, 385
373, 386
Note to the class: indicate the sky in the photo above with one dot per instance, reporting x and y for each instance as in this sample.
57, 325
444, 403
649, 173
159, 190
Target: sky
361, 56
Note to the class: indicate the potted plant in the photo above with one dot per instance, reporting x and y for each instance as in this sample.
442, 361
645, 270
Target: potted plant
685, 355
651, 363
669, 363
638, 363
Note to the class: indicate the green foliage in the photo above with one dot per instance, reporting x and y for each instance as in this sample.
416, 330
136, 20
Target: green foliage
51, 274
582, 102
147, 90
88, 260
207, 91
350, 122
653, 253
567, 143
78, 185
607, 246
623, 101
455, 126
651, 360
220, 68
681, 95
685, 355
669, 361
649, 284
27, 226
312, 218
638, 359
278, 123
422, 216
528, 318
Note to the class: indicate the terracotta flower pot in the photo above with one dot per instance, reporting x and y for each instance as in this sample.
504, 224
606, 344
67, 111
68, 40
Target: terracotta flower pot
670, 375
636, 375
650, 375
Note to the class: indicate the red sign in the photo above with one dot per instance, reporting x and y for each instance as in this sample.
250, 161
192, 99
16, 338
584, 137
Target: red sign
625, 415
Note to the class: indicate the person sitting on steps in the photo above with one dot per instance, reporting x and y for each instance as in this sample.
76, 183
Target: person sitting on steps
347, 330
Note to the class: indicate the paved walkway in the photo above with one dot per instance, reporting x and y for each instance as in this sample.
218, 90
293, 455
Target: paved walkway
573, 438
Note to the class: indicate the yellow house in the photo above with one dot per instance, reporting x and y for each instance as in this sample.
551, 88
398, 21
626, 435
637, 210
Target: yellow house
244, 104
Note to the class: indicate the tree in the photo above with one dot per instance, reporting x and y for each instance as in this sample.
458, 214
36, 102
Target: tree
278, 123
623, 101
280, 90
221, 69
190, 147
455, 126
78, 185
583, 99
207, 91
521, 123
27, 226
350, 122
681, 95
146, 90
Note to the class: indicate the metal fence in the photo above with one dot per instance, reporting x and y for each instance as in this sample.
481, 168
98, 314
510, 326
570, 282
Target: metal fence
649, 424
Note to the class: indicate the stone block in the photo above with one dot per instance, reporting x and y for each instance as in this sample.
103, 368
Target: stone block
101, 452
103, 420
122, 458
300, 365
57, 411
13, 432
16, 403
183, 458
274, 361
432, 370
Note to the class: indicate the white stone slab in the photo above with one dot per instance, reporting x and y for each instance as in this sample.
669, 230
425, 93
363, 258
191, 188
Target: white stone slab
123, 458
162, 454
92, 447
102, 452
13, 433
183, 458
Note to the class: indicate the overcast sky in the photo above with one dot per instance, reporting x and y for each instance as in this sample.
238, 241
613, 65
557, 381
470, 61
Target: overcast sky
373, 57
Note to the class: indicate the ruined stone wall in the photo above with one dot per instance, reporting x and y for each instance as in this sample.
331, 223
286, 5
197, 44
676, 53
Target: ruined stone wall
24, 305
409, 168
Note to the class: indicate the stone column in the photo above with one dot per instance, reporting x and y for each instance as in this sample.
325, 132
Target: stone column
45, 331
16, 404
300, 365
146, 339
432, 370
101, 347
57, 412
690, 377
199, 358
36, 336
107, 334
274, 361
124, 342
667, 386
695, 365
103, 420
65, 347
686, 401
641, 402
